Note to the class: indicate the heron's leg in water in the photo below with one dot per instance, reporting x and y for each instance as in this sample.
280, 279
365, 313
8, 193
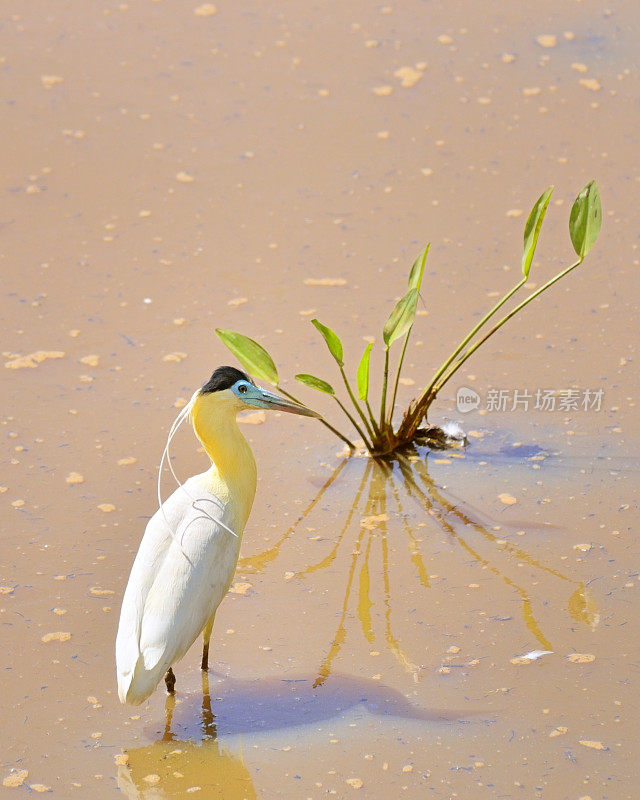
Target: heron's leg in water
170, 680
206, 635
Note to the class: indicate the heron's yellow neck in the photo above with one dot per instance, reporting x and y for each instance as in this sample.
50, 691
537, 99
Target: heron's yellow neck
233, 468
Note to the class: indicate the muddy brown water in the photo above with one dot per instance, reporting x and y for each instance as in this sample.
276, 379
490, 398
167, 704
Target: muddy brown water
166, 170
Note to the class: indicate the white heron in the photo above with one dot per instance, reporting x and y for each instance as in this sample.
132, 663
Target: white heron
189, 551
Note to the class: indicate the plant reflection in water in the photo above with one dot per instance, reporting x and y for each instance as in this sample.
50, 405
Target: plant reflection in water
381, 490
196, 757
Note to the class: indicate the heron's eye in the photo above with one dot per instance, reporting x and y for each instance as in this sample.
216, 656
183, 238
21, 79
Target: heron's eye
242, 388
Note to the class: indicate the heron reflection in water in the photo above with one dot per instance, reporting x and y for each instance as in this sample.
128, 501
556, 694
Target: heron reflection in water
198, 744
169, 767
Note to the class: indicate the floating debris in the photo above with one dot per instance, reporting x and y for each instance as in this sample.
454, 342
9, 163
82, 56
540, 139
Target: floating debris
325, 282
253, 418
449, 434
532, 655
49, 81
106, 508
581, 658
408, 76
125, 462
592, 744
15, 779
74, 477
205, 10
547, 40
507, 499
591, 83
56, 636
32, 360
91, 360
240, 587
371, 523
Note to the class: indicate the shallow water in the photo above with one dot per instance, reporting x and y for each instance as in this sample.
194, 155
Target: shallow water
167, 172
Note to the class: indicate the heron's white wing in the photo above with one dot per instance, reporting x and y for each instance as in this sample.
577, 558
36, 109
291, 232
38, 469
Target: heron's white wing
178, 579
151, 553
191, 583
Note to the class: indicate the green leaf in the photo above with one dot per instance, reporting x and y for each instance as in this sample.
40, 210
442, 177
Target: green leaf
362, 375
253, 357
532, 229
333, 341
585, 219
417, 270
401, 318
315, 383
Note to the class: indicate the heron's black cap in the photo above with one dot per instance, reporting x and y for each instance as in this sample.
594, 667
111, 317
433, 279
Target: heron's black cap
223, 378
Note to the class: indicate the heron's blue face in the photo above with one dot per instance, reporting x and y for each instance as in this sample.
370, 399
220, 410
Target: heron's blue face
254, 397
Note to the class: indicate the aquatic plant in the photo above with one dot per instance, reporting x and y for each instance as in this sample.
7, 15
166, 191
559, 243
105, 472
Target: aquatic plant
377, 430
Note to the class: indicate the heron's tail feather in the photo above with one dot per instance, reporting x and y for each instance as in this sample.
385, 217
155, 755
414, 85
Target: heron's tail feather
136, 685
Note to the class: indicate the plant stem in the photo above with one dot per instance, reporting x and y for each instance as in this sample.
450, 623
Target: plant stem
505, 319
471, 334
356, 405
395, 385
419, 409
374, 424
383, 399
361, 433
349, 443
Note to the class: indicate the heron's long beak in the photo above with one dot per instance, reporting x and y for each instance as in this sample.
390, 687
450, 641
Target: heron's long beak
260, 398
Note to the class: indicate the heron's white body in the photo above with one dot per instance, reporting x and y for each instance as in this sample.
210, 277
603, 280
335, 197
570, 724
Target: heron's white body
187, 556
